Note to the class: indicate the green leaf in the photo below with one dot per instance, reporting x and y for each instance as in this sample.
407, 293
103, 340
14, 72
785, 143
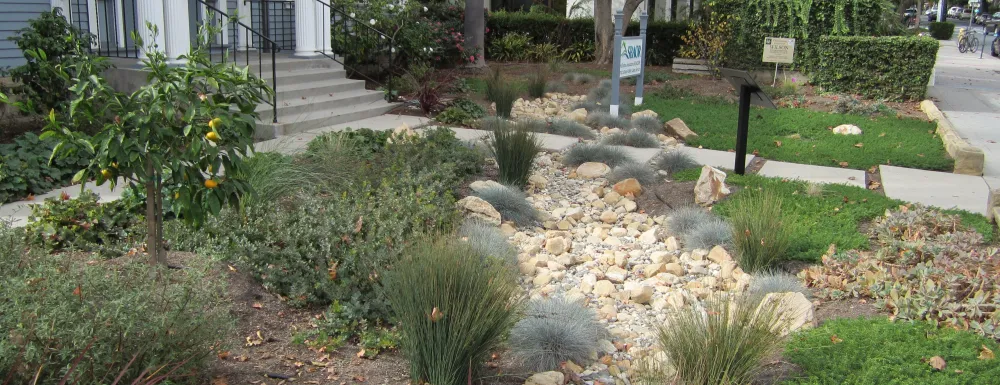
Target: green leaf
79, 176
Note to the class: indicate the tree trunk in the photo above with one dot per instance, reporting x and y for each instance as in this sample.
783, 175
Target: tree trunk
475, 29
604, 28
154, 219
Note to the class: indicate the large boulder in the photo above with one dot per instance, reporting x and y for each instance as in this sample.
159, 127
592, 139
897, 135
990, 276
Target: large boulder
475, 207
711, 186
481, 185
796, 312
678, 128
628, 187
591, 170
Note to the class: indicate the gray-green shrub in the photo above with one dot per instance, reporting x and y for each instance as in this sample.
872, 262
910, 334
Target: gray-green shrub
571, 128
759, 236
674, 161
512, 204
59, 308
555, 87
273, 176
487, 240
650, 124
593, 152
514, 147
602, 119
452, 309
579, 78
765, 282
554, 331
685, 219
599, 93
641, 172
724, 343
715, 232
632, 138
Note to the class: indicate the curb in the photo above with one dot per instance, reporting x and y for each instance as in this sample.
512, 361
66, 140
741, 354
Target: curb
969, 159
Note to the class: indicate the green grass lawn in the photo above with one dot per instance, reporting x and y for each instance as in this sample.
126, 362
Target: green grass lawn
903, 142
831, 216
876, 351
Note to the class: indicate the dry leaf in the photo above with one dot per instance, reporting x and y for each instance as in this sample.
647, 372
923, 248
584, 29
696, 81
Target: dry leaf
859, 145
777, 143
78, 292
361, 353
835, 339
435, 315
359, 379
986, 353
257, 305
30, 197
357, 225
231, 268
220, 381
254, 342
224, 355
881, 135
242, 358
937, 363
843, 164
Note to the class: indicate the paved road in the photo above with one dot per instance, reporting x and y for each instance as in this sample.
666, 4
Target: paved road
967, 89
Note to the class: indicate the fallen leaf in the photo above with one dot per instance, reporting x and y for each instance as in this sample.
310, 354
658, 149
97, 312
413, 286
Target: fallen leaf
317, 363
920, 155
859, 145
241, 358
986, 354
231, 268
357, 226
835, 339
843, 164
30, 197
78, 292
872, 169
298, 364
224, 355
361, 353
254, 342
777, 143
359, 379
220, 381
881, 135
435, 315
937, 363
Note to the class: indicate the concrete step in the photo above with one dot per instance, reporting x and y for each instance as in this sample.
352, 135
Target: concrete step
283, 62
321, 102
290, 92
295, 123
305, 76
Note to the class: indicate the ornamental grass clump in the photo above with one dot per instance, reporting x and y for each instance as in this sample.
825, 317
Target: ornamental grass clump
674, 161
501, 93
714, 232
685, 219
487, 240
554, 331
632, 138
571, 128
759, 237
538, 82
649, 124
452, 309
592, 152
726, 342
601, 119
512, 204
514, 147
772, 281
639, 171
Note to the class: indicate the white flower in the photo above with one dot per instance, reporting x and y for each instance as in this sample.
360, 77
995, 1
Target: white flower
352, 14
383, 37
372, 21
391, 7
393, 50
425, 9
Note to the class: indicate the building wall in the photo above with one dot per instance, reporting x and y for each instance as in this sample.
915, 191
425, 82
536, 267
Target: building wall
660, 9
15, 16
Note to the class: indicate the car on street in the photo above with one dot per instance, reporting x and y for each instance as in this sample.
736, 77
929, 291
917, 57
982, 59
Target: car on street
933, 16
930, 11
982, 18
954, 11
965, 14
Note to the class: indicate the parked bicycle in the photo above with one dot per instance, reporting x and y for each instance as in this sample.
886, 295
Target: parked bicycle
967, 41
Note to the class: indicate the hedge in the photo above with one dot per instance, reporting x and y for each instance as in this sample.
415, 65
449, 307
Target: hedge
942, 30
894, 68
663, 38
803, 20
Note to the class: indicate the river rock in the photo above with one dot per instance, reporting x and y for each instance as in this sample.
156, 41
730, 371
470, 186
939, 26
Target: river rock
475, 207
546, 378
677, 127
591, 170
847, 129
711, 186
628, 187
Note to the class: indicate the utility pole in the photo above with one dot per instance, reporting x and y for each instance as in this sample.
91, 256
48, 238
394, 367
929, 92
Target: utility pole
941, 10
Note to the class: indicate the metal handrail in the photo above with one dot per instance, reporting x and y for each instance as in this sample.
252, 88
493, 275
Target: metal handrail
273, 47
338, 13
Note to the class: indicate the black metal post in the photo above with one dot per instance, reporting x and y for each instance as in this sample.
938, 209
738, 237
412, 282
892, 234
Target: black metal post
742, 129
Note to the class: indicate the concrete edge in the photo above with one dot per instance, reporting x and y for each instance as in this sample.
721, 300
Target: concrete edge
969, 159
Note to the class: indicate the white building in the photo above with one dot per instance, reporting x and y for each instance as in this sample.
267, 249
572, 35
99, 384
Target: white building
668, 10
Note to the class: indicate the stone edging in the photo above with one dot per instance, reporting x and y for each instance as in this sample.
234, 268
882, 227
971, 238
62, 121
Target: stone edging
968, 158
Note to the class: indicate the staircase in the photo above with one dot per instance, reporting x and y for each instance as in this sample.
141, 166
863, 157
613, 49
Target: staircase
311, 94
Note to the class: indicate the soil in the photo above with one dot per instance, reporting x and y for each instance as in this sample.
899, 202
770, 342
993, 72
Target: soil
666, 197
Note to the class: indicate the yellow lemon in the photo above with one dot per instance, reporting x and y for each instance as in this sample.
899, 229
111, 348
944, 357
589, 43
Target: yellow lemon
114, 164
215, 123
211, 135
177, 195
211, 183
106, 173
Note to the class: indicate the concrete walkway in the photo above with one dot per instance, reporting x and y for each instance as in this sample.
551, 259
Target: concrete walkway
815, 174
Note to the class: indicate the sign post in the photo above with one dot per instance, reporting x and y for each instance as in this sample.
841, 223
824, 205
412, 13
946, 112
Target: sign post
750, 93
778, 50
629, 60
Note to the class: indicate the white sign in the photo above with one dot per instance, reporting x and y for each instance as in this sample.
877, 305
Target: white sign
631, 60
779, 50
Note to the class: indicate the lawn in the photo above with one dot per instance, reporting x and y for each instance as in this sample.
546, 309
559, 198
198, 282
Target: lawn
833, 214
804, 136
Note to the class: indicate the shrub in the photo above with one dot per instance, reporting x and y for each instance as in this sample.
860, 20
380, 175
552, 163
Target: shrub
708, 234
599, 93
877, 351
510, 47
500, 92
571, 128
487, 240
512, 204
685, 219
579, 78
462, 112
942, 30
707, 40
602, 119
555, 87
92, 321
554, 331
632, 138
592, 152
273, 177
27, 170
759, 235
575, 36
724, 343
514, 147
649, 124
641, 172
903, 66
452, 308
849, 104
537, 83
674, 161
765, 282
82, 223
541, 53
926, 266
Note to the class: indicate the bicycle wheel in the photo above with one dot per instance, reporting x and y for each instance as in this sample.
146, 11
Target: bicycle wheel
963, 45
995, 51
974, 45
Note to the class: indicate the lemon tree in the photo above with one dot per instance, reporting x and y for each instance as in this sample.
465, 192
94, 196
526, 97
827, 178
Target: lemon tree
184, 135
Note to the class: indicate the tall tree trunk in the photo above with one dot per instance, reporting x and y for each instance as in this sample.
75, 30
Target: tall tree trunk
154, 219
604, 28
475, 29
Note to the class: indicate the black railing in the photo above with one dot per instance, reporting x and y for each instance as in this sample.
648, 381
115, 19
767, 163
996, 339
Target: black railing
113, 25
274, 19
359, 47
241, 38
